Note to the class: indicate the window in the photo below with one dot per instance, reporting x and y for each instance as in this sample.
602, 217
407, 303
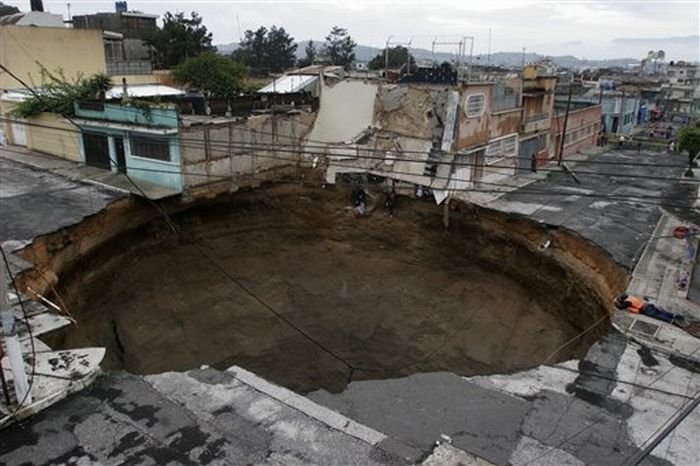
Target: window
505, 147
91, 105
151, 147
114, 50
474, 106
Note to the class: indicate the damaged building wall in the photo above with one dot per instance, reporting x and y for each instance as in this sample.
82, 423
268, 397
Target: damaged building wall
411, 110
346, 110
487, 134
244, 152
407, 137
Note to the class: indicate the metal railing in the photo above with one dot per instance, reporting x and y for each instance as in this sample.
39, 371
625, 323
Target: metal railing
536, 117
129, 67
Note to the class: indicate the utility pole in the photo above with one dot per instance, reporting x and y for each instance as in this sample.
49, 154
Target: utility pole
642, 454
566, 120
14, 350
488, 61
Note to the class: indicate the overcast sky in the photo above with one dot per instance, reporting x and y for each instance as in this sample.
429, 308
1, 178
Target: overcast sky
585, 28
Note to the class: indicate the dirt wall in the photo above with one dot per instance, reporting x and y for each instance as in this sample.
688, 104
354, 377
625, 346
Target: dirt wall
386, 293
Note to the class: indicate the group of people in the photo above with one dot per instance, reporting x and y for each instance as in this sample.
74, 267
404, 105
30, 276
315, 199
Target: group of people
359, 200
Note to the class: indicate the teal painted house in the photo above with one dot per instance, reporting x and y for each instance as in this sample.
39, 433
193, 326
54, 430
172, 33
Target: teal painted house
142, 142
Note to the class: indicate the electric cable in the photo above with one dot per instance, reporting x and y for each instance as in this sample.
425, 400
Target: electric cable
175, 229
300, 148
601, 419
518, 191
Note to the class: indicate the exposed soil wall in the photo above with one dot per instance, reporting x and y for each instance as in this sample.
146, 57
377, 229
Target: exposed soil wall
388, 295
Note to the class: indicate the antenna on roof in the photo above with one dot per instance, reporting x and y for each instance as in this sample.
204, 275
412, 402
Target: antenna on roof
240, 36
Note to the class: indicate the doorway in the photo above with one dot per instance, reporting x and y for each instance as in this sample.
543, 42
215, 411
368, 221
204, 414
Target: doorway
119, 151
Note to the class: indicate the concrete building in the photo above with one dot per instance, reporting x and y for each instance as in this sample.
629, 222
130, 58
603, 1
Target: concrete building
141, 143
681, 95
619, 112
582, 128
539, 84
126, 50
24, 50
185, 153
445, 138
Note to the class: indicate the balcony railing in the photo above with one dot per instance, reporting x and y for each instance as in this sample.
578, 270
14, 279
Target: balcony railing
129, 67
536, 117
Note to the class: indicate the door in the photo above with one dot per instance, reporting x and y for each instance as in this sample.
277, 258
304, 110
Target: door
19, 134
96, 150
528, 147
479, 159
121, 158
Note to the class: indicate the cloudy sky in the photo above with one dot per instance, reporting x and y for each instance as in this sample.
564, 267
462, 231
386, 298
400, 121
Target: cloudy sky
585, 28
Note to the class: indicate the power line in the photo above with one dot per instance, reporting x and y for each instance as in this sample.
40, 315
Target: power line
519, 191
386, 154
525, 190
601, 419
173, 227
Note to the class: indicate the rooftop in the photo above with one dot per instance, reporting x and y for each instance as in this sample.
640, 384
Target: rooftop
597, 410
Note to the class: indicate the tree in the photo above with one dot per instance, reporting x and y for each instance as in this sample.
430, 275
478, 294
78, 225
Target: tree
58, 94
689, 140
6, 10
339, 48
311, 55
398, 56
211, 73
179, 38
264, 49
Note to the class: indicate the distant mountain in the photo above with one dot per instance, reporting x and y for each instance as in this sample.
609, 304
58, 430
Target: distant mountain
506, 59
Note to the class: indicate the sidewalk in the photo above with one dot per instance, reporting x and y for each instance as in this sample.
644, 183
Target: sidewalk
656, 277
86, 174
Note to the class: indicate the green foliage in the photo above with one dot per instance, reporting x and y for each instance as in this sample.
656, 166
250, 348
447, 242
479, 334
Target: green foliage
397, 58
6, 10
689, 140
263, 49
59, 94
311, 55
179, 38
339, 48
211, 73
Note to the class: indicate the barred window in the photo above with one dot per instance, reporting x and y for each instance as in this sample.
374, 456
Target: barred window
474, 106
151, 147
506, 147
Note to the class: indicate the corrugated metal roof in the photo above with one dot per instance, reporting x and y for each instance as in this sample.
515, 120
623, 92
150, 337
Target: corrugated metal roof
288, 84
143, 90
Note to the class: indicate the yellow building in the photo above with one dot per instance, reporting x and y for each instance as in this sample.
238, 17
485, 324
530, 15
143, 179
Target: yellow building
24, 49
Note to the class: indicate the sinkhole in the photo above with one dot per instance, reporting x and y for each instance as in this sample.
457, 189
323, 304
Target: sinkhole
286, 281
